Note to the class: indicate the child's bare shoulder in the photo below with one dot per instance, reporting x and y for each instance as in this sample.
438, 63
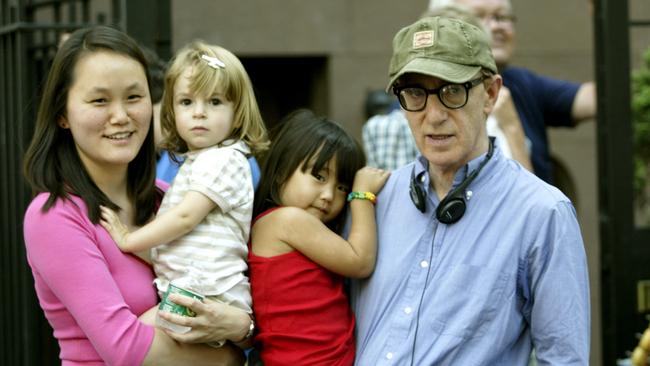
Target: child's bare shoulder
286, 214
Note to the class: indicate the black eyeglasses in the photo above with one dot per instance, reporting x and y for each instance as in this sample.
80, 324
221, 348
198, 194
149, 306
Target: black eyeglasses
507, 19
453, 96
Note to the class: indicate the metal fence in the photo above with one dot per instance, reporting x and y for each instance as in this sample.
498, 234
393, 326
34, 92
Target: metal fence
30, 32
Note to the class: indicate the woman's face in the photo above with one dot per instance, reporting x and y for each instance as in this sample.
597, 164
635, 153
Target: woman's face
108, 111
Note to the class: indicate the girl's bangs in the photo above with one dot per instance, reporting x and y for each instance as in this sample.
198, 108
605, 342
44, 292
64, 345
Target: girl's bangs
348, 158
207, 81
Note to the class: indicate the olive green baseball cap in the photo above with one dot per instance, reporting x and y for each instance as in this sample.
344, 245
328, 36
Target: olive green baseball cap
446, 48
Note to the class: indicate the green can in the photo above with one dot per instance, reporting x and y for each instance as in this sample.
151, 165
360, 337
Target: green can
168, 306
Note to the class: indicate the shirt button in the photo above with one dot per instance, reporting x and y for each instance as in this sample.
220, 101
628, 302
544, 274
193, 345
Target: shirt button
407, 310
389, 355
424, 264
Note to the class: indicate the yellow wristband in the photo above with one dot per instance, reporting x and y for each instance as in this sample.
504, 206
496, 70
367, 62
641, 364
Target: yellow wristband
362, 196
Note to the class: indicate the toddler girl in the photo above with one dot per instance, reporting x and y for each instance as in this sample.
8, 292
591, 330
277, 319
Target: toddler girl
297, 259
198, 239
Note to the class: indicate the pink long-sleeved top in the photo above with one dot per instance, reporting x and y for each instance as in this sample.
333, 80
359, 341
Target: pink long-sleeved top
91, 293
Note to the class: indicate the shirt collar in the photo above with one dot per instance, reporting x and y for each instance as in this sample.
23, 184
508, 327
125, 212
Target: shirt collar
230, 143
421, 168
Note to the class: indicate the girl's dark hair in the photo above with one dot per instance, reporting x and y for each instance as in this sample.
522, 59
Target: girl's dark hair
304, 137
52, 163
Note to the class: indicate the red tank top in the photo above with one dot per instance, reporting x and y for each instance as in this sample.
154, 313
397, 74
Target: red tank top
301, 310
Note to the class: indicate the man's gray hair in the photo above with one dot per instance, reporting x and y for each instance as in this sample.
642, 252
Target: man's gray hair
439, 3
433, 4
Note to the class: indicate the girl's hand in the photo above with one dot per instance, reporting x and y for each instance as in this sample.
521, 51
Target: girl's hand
369, 179
117, 230
214, 321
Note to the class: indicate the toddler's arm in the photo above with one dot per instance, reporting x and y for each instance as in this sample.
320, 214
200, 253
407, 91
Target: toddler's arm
363, 229
166, 227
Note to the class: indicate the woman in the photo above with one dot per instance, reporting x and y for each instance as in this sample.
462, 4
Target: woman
93, 145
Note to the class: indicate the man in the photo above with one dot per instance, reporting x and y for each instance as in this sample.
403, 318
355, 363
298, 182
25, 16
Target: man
478, 259
540, 101
388, 142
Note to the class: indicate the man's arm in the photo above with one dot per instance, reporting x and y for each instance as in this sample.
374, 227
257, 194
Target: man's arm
509, 122
584, 103
559, 281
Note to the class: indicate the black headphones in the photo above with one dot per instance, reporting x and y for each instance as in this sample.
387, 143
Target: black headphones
453, 206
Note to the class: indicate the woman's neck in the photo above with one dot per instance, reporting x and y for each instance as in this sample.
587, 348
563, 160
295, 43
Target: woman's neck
112, 180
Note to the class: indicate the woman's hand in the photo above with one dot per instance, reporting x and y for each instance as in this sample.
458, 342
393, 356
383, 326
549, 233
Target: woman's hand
214, 321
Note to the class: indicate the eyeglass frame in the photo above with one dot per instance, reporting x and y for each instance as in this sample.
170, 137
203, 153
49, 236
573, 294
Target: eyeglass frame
468, 85
498, 18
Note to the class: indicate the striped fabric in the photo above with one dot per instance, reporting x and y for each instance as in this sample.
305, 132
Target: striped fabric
213, 255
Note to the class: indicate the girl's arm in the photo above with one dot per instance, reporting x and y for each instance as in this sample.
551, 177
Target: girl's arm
354, 257
166, 227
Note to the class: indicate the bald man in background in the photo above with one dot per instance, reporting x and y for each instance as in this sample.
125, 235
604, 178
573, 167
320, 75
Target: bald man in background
540, 101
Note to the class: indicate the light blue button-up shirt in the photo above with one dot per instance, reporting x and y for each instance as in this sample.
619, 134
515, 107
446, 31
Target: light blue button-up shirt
510, 275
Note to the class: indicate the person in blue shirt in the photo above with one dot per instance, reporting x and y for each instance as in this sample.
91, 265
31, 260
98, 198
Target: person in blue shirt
541, 101
478, 259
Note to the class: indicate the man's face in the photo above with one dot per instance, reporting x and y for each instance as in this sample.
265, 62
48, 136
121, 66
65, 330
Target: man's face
449, 138
497, 17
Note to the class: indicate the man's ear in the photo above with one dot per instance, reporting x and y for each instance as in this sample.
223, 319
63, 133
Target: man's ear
492, 87
63, 123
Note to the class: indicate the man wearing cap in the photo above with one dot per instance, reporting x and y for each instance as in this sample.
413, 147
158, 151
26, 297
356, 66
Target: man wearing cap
478, 259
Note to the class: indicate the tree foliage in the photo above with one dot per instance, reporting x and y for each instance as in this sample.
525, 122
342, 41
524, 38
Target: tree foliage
641, 127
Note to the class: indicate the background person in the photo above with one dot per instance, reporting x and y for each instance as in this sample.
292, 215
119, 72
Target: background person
540, 101
478, 259
93, 145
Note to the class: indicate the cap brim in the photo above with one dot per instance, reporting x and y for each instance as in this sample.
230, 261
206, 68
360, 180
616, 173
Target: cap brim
448, 71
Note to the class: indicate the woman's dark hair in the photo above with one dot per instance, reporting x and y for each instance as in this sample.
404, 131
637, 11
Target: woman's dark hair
157, 69
52, 163
303, 138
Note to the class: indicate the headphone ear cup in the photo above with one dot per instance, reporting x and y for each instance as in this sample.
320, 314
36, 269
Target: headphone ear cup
451, 209
418, 196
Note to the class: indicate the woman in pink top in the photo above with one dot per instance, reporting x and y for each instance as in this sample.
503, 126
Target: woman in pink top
93, 145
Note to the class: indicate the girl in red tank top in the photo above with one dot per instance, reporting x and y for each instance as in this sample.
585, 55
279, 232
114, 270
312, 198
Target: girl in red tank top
297, 259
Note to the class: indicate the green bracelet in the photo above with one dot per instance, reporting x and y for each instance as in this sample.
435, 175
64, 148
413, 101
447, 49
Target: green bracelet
362, 196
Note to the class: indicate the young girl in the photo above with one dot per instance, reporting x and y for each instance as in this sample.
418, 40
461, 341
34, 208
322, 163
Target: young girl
198, 239
297, 259
93, 145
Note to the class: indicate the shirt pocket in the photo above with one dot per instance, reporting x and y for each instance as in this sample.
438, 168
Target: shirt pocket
467, 299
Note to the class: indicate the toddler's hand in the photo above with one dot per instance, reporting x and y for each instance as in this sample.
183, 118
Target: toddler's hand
111, 222
369, 179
